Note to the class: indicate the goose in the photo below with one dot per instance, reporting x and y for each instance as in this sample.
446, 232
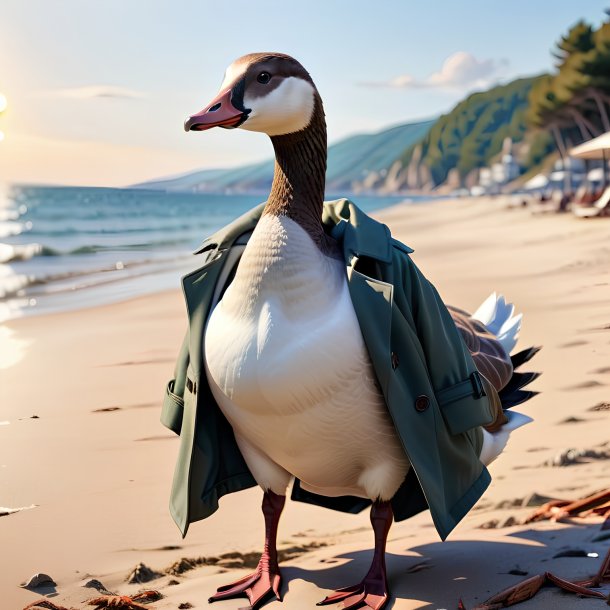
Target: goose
296, 401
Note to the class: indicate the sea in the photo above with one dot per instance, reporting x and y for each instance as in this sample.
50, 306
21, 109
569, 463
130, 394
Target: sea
64, 248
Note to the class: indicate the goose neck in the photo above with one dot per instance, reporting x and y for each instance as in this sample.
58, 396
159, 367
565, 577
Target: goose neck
300, 174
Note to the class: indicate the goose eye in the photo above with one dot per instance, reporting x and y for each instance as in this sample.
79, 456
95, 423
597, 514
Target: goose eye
263, 78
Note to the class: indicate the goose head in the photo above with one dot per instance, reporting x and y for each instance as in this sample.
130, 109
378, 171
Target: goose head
266, 92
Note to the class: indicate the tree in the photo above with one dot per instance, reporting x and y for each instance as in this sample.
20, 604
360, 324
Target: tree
574, 102
579, 39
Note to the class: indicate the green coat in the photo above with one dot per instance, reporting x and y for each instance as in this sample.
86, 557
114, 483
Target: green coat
428, 378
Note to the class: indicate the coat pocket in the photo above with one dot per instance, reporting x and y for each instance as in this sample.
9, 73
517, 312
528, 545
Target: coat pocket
172, 409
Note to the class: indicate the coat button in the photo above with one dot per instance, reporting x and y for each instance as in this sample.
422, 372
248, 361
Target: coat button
422, 403
394, 360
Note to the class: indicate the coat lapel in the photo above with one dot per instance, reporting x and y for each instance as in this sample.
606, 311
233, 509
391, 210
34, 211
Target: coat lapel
363, 237
372, 300
198, 288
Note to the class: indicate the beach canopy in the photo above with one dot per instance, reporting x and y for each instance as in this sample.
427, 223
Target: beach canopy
593, 149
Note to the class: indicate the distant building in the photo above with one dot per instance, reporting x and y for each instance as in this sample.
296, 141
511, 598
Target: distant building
505, 170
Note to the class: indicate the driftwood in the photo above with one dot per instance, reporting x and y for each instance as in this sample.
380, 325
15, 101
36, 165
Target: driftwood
526, 589
556, 510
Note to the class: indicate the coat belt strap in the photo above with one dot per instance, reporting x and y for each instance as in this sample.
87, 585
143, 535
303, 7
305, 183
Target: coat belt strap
473, 386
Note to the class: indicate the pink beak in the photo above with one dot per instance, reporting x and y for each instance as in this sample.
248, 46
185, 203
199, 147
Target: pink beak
219, 113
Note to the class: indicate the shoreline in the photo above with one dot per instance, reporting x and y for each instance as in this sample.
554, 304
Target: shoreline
98, 465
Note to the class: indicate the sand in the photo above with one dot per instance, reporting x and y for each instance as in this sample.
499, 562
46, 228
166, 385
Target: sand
97, 464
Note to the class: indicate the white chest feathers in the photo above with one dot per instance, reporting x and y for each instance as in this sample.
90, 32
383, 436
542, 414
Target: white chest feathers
288, 366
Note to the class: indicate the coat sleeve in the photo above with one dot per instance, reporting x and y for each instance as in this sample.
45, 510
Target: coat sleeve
459, 389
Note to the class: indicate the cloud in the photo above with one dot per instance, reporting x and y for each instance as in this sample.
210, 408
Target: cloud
97, 91
460, 70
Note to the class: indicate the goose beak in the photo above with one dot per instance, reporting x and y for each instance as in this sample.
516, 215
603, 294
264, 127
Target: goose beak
219, 113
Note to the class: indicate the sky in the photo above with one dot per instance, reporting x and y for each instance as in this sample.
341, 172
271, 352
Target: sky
97, 90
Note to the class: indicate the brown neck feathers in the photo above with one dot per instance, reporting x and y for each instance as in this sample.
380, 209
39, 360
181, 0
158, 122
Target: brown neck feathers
300, 173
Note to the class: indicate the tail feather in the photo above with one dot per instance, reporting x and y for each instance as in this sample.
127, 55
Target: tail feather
494, 444
510, 324
498, 316
487, 310
512, 393
520, 380
508, 339
524, 356
515, 398
504, 315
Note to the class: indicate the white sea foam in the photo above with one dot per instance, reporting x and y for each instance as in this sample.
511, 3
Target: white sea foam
10, 227
8, 214
11, 283
20, 252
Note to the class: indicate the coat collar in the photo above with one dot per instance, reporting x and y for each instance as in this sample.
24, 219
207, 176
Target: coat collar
359, 234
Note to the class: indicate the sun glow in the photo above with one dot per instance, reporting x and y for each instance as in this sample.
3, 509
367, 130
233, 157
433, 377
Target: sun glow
3, 103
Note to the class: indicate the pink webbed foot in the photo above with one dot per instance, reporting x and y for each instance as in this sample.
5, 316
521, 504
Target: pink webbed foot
373, 591
267, 580
368, 594
257, 587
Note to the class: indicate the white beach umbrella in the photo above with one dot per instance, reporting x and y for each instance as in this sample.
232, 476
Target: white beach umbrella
597, 148
593, 149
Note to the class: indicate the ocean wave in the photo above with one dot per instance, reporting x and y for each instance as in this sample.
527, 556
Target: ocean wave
23, 285
83, 229
14, 285
23, 252
11, 253
48, 251
9, 228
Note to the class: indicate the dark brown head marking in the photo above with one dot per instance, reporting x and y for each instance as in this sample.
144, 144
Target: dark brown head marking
247, 70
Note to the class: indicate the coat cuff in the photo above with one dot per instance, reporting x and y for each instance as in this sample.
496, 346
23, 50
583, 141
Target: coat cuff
172, 409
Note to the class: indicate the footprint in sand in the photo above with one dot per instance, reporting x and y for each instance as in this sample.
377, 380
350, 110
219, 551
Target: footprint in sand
574, 343
585, 385
571, 420
142, 405
141, 362
160, 437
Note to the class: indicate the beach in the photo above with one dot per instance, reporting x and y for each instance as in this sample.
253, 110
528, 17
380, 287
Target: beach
82, 447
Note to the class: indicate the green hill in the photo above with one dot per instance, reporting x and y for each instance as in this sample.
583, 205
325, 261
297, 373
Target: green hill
471, 135
352, 159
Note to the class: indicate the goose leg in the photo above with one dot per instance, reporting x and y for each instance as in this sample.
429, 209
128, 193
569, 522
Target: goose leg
373, 591
266, 580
